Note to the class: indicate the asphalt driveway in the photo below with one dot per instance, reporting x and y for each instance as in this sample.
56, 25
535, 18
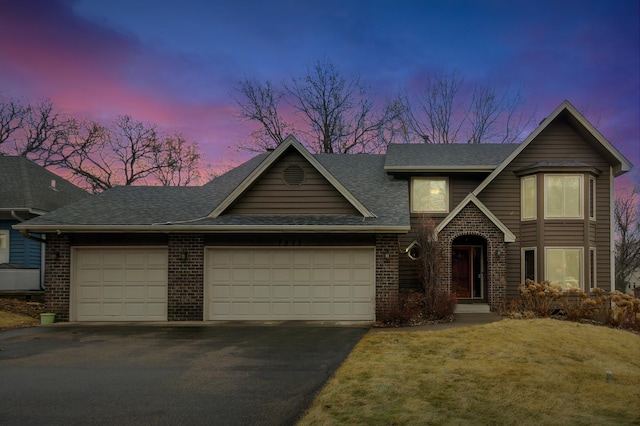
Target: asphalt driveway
160, 374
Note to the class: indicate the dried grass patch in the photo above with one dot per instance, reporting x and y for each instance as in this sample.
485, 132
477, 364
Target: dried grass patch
13, 320
539, 371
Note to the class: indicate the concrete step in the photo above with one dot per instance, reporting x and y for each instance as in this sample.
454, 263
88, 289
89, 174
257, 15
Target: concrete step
473, 308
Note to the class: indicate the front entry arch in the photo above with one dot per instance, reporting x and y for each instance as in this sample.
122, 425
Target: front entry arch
468, 267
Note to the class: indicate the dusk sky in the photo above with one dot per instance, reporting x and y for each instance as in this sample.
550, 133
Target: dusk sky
175, 63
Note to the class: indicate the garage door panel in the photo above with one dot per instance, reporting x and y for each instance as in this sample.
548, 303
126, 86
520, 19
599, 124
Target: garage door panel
280, 291
297, 283
113, 284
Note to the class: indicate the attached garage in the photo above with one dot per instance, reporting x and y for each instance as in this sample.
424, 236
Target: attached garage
116, 284
328, 283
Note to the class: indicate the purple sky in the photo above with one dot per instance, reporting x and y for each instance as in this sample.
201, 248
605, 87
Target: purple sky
175, 63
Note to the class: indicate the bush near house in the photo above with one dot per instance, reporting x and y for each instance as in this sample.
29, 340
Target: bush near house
433, 303
545, 299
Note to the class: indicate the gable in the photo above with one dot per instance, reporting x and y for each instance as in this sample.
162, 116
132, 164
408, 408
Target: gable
291, 185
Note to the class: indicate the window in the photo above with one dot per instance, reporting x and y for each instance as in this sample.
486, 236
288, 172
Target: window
592, 268
529, 271
4, 246
564, 266
563, 196
592, 198
528, 197
430, 195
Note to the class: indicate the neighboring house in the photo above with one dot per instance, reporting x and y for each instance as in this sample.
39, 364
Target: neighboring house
291, 235
27, 191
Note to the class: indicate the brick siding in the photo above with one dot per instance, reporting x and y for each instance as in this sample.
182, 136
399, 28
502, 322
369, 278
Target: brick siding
471, 221
387, 276
57, 275
185, 277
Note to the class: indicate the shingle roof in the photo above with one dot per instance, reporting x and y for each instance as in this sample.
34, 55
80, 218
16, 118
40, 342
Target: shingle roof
188, 207
26, 186
425, 157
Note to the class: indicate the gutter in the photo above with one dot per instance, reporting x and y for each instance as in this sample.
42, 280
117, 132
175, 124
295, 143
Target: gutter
25, 232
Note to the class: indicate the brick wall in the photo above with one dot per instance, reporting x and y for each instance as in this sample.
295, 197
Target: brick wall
387, 277
57, 275
185, 277
471, 221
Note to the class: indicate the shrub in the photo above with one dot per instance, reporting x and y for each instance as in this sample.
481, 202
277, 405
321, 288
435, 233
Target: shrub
544, 299
539, 298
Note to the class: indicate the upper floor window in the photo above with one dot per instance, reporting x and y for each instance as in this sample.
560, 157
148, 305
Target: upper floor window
528, 196
429, 195
592, 198
4, 246
564, 266
563, 196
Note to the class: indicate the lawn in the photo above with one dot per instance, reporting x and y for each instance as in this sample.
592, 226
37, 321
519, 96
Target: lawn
539, 371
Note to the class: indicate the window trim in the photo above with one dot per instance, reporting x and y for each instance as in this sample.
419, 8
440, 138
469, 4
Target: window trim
446, 194
581, 277
535, 198
592, 198
523, 269
7, 249
580, 193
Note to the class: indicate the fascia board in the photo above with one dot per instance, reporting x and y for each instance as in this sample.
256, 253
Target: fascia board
447, 169
211, 228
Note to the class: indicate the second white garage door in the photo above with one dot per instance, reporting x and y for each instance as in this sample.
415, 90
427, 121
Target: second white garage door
120, 284
290, 283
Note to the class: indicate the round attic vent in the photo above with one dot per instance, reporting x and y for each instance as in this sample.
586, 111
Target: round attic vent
293, 175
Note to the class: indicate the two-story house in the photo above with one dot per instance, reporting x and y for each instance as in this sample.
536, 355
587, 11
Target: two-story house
289, 235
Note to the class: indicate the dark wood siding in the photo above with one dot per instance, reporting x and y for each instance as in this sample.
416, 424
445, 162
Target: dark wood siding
271, 194
558, 142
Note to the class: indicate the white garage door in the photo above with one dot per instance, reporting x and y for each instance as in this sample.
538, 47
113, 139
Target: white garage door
290, 284
120, 284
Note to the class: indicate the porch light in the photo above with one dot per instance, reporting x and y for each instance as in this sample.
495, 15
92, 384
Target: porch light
183, 255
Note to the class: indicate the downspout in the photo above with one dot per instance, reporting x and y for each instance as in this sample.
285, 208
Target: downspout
25, 234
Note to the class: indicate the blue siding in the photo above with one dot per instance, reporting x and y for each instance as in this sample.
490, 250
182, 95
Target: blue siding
22, 251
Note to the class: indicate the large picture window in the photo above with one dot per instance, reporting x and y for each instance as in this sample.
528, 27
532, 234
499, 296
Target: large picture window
528, 195
564, 266
563, 196
429, 195
4, 246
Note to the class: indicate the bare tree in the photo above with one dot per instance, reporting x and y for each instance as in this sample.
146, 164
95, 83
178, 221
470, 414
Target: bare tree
97, 156
340, 113
627, 244
493, 117
179, 161
440, 113
35, 131
337, 113
429, 116
260, 102
12, 114
128, 152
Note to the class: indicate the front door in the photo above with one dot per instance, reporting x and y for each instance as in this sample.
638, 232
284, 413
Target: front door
467, 272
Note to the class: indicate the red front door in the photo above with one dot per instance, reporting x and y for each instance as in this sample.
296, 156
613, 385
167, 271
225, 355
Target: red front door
467, 272
461, 272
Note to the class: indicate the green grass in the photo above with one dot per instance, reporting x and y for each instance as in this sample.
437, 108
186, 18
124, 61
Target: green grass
521, 372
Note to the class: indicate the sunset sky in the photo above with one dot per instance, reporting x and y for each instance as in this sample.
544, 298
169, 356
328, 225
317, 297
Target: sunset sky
175, 63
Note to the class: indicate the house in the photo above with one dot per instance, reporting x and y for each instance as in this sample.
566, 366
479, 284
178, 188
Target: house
293, 236
27, 191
